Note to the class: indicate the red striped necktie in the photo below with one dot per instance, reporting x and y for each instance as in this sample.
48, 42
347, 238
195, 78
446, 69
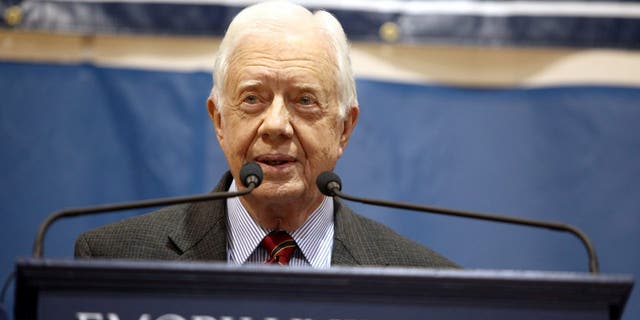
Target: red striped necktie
280, 247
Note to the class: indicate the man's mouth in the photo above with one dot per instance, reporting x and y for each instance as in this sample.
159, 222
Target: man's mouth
275, 159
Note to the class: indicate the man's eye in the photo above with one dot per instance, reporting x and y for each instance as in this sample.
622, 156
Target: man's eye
306, 100
251, 99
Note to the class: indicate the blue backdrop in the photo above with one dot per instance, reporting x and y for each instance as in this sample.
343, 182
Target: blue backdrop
81, 134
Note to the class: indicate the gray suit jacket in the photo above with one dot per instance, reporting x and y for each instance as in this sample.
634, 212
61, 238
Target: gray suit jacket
198, 231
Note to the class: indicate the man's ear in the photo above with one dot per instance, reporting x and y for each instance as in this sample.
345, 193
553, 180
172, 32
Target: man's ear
348, 124
216, 119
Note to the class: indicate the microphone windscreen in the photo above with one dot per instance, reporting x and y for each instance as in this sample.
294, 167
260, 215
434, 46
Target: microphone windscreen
326, 178
249, 170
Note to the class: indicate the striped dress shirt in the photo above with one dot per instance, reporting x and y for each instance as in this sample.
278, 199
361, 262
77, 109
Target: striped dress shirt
314, 237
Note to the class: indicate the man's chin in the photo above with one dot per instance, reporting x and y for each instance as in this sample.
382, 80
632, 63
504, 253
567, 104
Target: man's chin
274, 191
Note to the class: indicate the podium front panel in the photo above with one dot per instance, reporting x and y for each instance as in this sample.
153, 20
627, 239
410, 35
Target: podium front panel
119, 290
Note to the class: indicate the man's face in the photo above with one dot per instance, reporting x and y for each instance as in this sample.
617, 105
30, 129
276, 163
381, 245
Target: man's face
281, 110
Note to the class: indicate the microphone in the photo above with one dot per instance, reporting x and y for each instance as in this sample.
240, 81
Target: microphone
250, 177
330, 185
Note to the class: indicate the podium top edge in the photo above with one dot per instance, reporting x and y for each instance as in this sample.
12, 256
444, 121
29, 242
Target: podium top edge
222, 267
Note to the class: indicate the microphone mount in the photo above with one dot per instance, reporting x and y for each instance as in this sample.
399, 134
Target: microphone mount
250, 175
330, 184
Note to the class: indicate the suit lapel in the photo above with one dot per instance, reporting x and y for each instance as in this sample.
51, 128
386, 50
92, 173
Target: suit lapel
202, 233
341, 255
345, 248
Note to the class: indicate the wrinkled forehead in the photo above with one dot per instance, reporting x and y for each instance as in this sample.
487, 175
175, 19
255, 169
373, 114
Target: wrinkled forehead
286, 44
280, 33
274, 28
286, 57
308, 48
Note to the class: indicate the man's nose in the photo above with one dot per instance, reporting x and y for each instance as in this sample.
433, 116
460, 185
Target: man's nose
277, 121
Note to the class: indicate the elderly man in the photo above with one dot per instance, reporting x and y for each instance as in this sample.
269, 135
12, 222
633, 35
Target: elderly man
284, 96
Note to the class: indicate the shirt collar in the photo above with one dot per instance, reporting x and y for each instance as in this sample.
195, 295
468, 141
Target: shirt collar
314, 237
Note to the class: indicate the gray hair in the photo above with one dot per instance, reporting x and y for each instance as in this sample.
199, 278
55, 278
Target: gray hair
242, 24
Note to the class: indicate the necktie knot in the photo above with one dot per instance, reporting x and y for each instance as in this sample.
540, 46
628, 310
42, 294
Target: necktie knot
280, 246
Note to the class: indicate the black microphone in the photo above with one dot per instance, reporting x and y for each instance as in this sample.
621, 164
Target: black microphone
250, 177
330, 185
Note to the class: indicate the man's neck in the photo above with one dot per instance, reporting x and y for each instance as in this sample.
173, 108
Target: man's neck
288, 215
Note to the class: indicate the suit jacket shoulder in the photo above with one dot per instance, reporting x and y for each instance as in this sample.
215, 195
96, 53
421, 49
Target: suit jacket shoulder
195, 231
362, 241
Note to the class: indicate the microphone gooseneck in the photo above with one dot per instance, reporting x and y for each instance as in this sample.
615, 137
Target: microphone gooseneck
250, 173
330, 184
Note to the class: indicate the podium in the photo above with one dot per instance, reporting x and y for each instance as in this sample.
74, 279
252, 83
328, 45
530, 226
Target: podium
147, 290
